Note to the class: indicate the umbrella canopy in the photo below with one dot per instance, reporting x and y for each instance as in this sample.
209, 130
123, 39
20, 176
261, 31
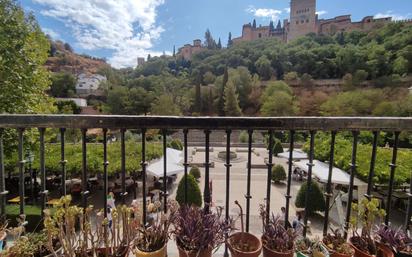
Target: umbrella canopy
321, 171
173, 164
297, 154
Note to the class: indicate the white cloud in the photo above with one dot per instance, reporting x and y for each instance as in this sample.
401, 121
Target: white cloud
273, 14
322, 12
127, 27
53, 34
394, 16
287, 9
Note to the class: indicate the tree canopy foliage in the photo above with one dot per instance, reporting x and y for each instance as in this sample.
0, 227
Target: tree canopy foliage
23, 52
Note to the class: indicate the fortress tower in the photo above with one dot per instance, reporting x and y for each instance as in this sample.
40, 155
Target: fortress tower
302, 18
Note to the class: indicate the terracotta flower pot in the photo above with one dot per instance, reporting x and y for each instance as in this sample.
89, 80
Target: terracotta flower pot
202, 253
271, 253
358, 252
384, 251
159, 253
254, 243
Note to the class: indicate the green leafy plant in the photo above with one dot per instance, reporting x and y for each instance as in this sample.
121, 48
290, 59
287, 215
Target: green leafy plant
155, 236
194, 196
278, 173
176, 144
195, 172
316, 198
364, 218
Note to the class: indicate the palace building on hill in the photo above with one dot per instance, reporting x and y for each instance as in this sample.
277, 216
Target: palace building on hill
304, 20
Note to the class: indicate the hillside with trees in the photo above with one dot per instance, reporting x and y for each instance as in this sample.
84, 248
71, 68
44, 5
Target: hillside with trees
369, 71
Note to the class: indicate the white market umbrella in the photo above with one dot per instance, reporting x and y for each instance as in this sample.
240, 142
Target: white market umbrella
173, 164
321, 171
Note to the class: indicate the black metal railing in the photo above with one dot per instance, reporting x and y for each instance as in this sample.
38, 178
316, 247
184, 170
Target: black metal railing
290, 125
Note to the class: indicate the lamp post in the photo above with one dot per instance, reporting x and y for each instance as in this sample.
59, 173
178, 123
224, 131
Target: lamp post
30, 159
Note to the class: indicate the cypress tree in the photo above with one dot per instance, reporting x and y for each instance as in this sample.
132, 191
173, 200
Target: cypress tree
229, 41
232, 107
221, 100
194, 196
219, 44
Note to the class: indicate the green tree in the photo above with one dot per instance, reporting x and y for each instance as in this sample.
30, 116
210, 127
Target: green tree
231, 101
139, 101
277, 100
348, 82
221, 98
278, 173
209, 78
210, 43
229, 41
195, 172
24, 50
316, 199
263, 67
400, 66
63, 85
164, 105
194, 196
277, 147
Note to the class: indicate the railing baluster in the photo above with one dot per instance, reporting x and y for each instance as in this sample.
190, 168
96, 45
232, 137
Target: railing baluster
3, 191
63, 161
329, 193
144, 164
185, 164
290, 167
227, 165
42, 171
85, 188
105, 176
249, 178
408, 217
269, 171
123, 164
206, 193
164, 171
22, 162
372, 166
392, 177
352, 178
309, 181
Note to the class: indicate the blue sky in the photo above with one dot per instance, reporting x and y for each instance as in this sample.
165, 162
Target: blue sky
122, 30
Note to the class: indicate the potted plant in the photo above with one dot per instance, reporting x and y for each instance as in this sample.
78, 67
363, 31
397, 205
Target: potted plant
115, 239
336, 244
33, 245
396, 239
310, 248
365, 215
152, 241
198, 231
64, 223
243, 243
276, 239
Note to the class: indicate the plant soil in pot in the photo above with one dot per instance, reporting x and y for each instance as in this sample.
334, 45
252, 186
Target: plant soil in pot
162, 252
336, 244
271, 253
244, 244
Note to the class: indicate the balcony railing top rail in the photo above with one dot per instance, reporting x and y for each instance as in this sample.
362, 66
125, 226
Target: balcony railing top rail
169, 122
